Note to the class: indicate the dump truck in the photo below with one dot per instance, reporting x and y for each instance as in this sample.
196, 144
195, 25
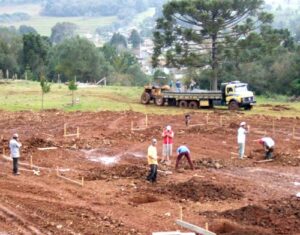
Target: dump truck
233, 94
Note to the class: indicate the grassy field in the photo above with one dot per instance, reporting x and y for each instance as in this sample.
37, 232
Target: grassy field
25, 95
43, 24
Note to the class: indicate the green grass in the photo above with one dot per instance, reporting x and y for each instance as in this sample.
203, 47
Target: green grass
43, 24
143, 15
26, 95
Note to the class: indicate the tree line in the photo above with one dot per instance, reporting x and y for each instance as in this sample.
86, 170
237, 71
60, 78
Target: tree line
32, 56
120, 8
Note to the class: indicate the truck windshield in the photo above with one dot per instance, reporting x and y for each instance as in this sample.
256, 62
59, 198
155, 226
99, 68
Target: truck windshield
240, 89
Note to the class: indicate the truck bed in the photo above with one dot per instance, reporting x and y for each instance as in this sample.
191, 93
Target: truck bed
189, 95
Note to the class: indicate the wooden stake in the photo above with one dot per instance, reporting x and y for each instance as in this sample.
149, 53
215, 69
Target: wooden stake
180, 213
82, 181
207, 118
206, 226
48, 148
31, 162
72, 181
146, 121
65, 129
200, 124
67, 179
77, 134
266, 160
194, 228
293, 131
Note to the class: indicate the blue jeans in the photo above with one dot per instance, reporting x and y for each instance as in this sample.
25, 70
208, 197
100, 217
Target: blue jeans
153, 173
15, 165
241, 150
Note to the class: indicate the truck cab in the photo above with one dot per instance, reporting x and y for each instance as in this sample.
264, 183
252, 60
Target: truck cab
236, 95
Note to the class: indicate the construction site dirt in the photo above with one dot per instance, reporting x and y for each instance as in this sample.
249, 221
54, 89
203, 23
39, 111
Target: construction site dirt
92, 174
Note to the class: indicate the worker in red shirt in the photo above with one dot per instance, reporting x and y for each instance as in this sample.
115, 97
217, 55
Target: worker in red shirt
168, 136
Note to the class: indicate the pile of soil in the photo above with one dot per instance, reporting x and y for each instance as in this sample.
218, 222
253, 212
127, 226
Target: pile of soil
115, 172
198, 190
143, 135
39, 143
228, 228
203, 129
287, 159
280, 108
208, 163
283, 216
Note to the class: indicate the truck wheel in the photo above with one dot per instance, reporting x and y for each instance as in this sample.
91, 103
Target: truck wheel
145, 98
159, 101
171, 102
183, 104
193, 105
248, 107
233, 105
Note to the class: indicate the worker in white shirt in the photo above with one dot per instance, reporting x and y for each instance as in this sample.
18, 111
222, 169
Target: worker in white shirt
268, 144
15, 145
241, 138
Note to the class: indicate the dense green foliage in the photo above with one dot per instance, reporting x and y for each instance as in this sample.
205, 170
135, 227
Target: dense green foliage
35, 51
75, 57
119, 41
62, 31
30, 56
24, 29
10, 51
135, 39
14, 17
267, 58
195, 32
121, 8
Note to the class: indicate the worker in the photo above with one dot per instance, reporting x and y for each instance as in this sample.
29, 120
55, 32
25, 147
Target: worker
241, 138
178, 85
183, 151
171, 84
15, 146
192, 85
187, 118
168, 136
268, 144
152, 161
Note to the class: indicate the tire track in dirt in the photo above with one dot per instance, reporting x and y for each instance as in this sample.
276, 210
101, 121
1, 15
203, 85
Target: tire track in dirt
114, 124
23, 226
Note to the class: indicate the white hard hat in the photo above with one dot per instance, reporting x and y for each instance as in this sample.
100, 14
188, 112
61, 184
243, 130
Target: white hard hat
169, 128
154, 141
243, 124
15, 135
